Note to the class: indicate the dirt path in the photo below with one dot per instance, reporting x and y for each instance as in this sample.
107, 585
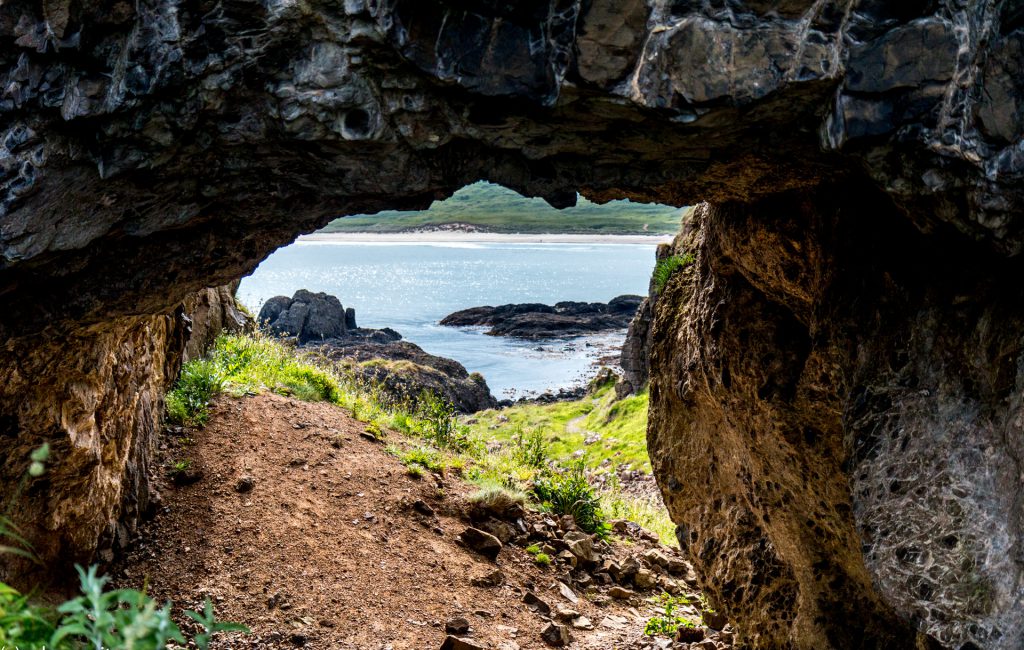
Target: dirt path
326, 550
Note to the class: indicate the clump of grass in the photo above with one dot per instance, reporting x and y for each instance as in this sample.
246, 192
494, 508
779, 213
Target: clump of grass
497, 499
664, 269
530, 448
533, 549
569, 493
442, 425
542, 559
670, 619
188, 402
421, 457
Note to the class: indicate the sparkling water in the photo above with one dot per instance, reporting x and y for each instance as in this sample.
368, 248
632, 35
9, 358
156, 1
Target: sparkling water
410, 286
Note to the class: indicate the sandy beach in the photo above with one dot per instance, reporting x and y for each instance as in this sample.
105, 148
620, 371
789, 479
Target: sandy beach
484, 238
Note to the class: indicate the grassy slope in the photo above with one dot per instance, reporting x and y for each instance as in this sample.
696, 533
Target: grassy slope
497, 209
620, 425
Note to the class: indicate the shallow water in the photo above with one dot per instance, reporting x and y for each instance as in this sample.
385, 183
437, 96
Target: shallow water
411, 286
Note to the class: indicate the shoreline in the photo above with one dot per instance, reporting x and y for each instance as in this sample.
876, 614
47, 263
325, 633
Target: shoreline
478, 238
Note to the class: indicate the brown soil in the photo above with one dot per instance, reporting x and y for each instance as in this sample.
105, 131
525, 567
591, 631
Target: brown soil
326, 551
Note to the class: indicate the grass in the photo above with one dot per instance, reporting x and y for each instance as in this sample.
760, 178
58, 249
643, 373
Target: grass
664, 269
515, 449
670, 619
494, 208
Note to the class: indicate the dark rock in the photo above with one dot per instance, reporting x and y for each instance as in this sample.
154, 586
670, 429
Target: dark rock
714, 619
245, 484
556, 635
492, 579
689, 634
535, 321
536, 603
458, 625
307, 316
483, 543
423, 508
455, 643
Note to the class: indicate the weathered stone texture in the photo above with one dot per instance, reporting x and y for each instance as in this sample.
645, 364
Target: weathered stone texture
150, 149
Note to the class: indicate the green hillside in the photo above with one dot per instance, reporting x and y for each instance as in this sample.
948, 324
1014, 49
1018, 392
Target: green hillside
493, 208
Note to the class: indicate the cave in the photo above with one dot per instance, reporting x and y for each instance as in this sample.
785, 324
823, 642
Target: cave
836, 387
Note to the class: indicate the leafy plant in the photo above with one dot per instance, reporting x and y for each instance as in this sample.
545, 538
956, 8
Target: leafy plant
22, 625
211, 625
670, 619
569, 493
188, 402
530, 448
442, 426
664, 269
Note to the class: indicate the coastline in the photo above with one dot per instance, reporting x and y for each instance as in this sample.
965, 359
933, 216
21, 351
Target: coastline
480, 238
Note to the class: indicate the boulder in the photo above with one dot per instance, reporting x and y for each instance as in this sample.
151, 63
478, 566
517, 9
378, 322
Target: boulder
483, 543
306, 316
536, 321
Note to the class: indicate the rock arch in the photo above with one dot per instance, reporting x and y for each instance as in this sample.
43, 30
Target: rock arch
836, 417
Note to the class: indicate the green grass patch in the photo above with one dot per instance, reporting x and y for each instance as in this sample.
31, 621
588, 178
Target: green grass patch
664, 269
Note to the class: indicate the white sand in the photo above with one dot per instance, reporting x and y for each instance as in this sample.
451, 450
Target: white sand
483, 238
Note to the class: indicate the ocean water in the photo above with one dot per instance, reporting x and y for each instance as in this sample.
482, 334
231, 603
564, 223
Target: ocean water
410, 286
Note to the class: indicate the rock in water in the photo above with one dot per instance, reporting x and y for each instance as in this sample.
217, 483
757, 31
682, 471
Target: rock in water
307, 316
536, 321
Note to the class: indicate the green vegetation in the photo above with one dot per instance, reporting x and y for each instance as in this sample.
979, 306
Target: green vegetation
98, 618
496, 498
542, 559
516, 449
570, 493
664, 269
493, 208
670, 619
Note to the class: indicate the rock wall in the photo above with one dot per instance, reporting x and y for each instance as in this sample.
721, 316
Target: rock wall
96, 396
837, 424
864, 160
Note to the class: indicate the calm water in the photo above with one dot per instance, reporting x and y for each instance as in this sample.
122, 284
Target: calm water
411, 286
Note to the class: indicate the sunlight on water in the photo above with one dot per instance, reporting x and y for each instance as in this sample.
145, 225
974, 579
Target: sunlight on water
410, 286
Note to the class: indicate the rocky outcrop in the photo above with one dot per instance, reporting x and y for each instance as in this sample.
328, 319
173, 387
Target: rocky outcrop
537, 321
96, 397
861, 412
378, 358
634, 359
402, 371
152, 149
307, 316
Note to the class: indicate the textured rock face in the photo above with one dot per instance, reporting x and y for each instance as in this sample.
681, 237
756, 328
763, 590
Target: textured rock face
307, 316
852, 412
96, 396
152, 149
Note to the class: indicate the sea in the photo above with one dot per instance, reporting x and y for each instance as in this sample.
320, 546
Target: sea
409, 286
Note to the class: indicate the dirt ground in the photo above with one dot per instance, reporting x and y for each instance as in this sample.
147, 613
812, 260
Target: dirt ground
325, 549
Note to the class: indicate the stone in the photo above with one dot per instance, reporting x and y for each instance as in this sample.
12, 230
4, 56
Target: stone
455, 643
307, 316
555, 635
457, 626
689, 634
422, 507
714, 619
494, 578
644, 579
245, 484
620, 593
567, 592
582, 546
483, 543
582, 623
536, 321
536, 603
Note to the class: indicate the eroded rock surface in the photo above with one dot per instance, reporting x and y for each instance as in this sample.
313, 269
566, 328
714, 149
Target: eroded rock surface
152, 149
537, 321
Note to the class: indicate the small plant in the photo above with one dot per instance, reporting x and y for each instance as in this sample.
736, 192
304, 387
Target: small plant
542, 559
414, 471
188, 403
670, 620
569, 493
664, 269
530, 449
424, 458
442, 426
211, 625
497, 499
374, 430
